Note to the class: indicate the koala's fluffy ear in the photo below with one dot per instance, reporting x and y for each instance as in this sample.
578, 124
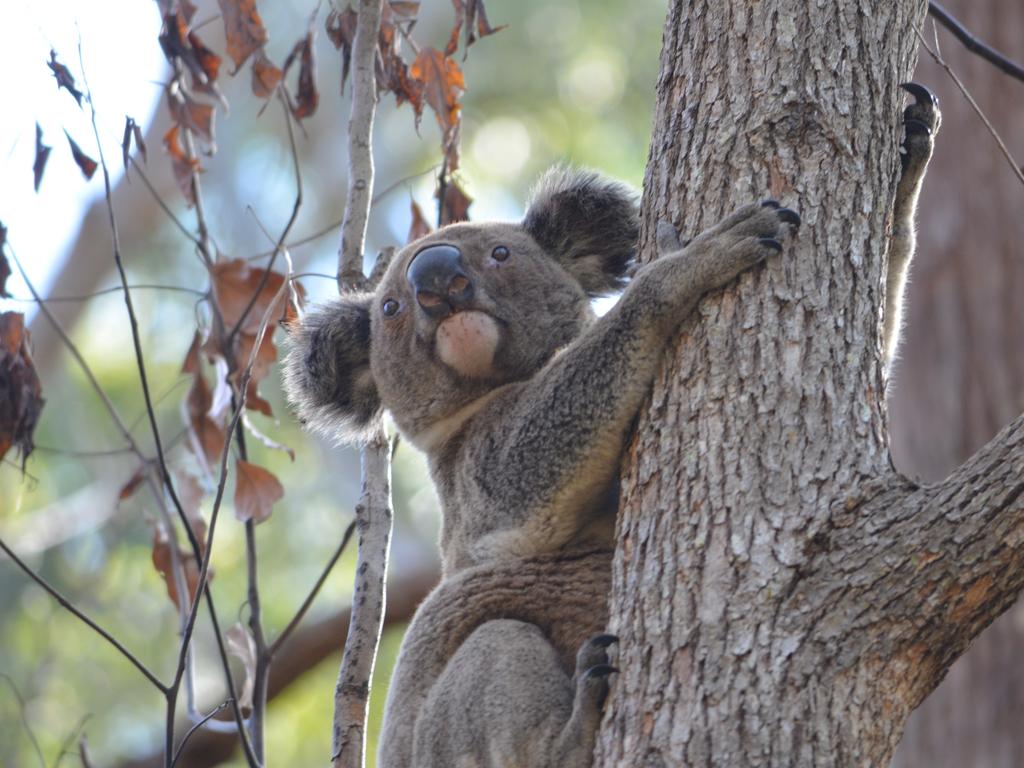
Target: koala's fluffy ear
588, 223
327, 371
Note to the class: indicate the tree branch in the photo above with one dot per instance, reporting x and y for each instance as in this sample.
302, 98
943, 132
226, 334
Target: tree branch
973, 44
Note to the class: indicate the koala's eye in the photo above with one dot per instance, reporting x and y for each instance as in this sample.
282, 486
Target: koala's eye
500, 253
390, 308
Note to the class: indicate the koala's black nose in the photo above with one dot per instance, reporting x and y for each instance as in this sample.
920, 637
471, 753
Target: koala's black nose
439, 281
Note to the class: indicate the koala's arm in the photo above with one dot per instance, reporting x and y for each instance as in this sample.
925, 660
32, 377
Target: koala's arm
921, 123
558, 441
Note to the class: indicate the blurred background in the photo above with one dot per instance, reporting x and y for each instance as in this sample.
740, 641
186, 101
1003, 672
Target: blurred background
566, 81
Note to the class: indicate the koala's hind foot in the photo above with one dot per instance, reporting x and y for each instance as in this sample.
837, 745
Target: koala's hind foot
575, 745
921, 121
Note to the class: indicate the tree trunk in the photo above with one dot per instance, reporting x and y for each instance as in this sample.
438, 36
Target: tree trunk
961, 372
782, 596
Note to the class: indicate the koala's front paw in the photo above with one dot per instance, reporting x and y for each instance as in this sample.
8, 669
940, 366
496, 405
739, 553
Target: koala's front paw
741, 240
921, 122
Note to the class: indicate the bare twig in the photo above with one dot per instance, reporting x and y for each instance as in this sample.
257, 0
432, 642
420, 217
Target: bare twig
160, 201
24, 719
196, 727
69, 606
974, 105
360, 146
103, 291
973, 44
65, 747
299, 614
288, 227
373, 513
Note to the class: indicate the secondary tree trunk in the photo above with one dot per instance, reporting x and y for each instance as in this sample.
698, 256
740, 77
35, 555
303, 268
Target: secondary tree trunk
961, 372
783, 597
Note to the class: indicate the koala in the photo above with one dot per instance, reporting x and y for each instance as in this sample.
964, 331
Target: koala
481, 342
921, 122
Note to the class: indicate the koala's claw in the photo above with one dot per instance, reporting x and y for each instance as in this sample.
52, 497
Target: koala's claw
912, 126
771, 242
769, 203
603, 641
789, 216
920, 93
600, 670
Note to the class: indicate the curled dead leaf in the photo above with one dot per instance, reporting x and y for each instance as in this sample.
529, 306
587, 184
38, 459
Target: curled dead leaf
63, 77
42, 155
419, 226
265, 77
164, 564
243, 29
21, 398
455, 205
183, 166
256, 491
443, 86
85, 163
307, 96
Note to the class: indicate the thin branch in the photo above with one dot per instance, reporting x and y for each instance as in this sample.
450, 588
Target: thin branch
65, 747
300, 614
287, 229
360, 146
24, 719
974, 105
196, 727
163, 205
68, 605
973, 44
103, 291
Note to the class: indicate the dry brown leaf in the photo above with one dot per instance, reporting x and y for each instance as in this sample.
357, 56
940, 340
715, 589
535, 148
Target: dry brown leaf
419, 226
443, 85
456, 204
235, 282
307, 97
182, 166
21, 398
164, 565
341, 30
5, 268
476, 12
138, 476
85, 163
207, 61
266, 356
63, 77
256, 491
206, 436
265, 77
42, 155
243, 29
393, 73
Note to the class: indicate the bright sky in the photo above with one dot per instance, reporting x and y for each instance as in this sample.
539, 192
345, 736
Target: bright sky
124, 66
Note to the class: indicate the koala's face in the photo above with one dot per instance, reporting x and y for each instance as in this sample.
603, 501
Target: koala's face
462, 311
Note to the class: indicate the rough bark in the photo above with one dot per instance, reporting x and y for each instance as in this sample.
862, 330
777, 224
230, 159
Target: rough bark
960, 375
765, 582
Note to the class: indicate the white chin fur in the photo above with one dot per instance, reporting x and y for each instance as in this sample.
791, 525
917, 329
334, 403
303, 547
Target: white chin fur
466, 341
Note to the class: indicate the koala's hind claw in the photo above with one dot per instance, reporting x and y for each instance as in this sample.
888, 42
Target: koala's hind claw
916, 126
769, 203
601, 670
771, 242
603, 641
920, 93
789, 216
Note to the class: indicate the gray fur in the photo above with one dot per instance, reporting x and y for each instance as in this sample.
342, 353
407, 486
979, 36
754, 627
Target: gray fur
588, 222
916, 152
496, 668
